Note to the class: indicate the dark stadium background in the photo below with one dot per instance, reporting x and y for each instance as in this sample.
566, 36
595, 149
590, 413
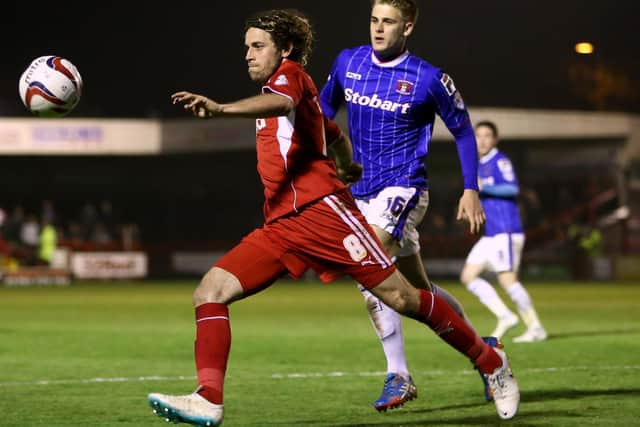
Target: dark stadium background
133, 54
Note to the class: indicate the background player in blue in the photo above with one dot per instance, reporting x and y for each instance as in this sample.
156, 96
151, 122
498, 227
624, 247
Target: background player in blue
500, 248
392, 98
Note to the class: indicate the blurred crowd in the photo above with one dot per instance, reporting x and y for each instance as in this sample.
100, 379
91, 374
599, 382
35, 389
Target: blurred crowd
31, 236
551, 214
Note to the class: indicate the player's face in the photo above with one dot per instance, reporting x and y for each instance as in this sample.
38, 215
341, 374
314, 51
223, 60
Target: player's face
486, 140
263, 56
389, 31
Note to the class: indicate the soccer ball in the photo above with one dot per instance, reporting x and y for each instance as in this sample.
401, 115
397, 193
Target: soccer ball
50, 86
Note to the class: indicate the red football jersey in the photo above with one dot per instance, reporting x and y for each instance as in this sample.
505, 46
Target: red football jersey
292, 150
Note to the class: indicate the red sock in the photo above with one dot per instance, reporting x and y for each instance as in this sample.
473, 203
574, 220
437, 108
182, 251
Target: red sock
213, 342
439, 316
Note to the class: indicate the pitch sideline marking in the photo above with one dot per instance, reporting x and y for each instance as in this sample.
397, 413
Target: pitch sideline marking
301, 375
98, 380
444, 372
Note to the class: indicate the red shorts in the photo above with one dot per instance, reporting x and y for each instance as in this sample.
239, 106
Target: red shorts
330, 236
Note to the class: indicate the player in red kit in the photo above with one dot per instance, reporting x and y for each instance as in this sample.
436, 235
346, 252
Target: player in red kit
311, 221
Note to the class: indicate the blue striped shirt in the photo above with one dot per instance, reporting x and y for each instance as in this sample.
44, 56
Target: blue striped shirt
498, 191
391, 109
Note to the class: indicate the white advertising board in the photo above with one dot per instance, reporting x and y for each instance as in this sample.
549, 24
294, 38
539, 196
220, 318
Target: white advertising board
109, 265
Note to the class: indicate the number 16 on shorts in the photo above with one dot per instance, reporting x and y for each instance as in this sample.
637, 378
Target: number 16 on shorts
387, 208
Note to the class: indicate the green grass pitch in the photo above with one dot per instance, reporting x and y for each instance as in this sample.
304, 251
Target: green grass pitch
304, 354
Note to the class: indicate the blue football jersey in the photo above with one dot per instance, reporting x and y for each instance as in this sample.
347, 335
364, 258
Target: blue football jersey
391, 109
498, 191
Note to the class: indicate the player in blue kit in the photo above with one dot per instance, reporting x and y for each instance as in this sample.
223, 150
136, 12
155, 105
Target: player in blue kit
500, 249
392, 98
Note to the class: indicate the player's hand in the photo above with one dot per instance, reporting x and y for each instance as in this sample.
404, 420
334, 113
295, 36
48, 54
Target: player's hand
351, 173
470, 209
200, 106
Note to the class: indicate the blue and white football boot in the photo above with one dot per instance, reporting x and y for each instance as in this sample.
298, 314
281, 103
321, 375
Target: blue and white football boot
396, 392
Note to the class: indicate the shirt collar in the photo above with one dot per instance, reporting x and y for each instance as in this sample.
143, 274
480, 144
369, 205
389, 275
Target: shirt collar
391, 63
490, 155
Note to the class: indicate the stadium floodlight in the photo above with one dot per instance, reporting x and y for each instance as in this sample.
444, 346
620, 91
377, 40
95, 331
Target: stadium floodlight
584, 48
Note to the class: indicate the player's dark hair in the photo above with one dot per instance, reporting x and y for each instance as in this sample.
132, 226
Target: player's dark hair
287, 27
408, 8
490, 125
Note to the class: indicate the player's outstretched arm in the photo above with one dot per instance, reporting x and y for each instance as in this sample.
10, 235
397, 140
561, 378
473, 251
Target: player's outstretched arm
470, 209
260, 106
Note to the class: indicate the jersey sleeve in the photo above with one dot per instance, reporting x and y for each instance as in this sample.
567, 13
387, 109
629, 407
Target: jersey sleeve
332, 93
504, 173
286, 82
451, 109
504, 181
331, 130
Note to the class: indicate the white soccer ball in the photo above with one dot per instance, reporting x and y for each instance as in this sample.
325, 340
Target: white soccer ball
50, 86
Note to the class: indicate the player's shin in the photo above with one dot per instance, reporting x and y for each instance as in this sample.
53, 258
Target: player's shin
521, 297
450, 327
213, 342
452, 301
388, 326
489, 297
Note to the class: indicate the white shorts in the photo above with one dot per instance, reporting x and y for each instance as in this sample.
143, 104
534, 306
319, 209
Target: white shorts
498, 253
398, 210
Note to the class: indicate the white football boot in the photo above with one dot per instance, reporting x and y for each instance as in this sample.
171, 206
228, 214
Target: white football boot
190, 409
504, 388
535, 334
504, 324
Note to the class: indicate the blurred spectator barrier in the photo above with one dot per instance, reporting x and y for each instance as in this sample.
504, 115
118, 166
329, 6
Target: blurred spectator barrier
41, 276
109, 265
79, 137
